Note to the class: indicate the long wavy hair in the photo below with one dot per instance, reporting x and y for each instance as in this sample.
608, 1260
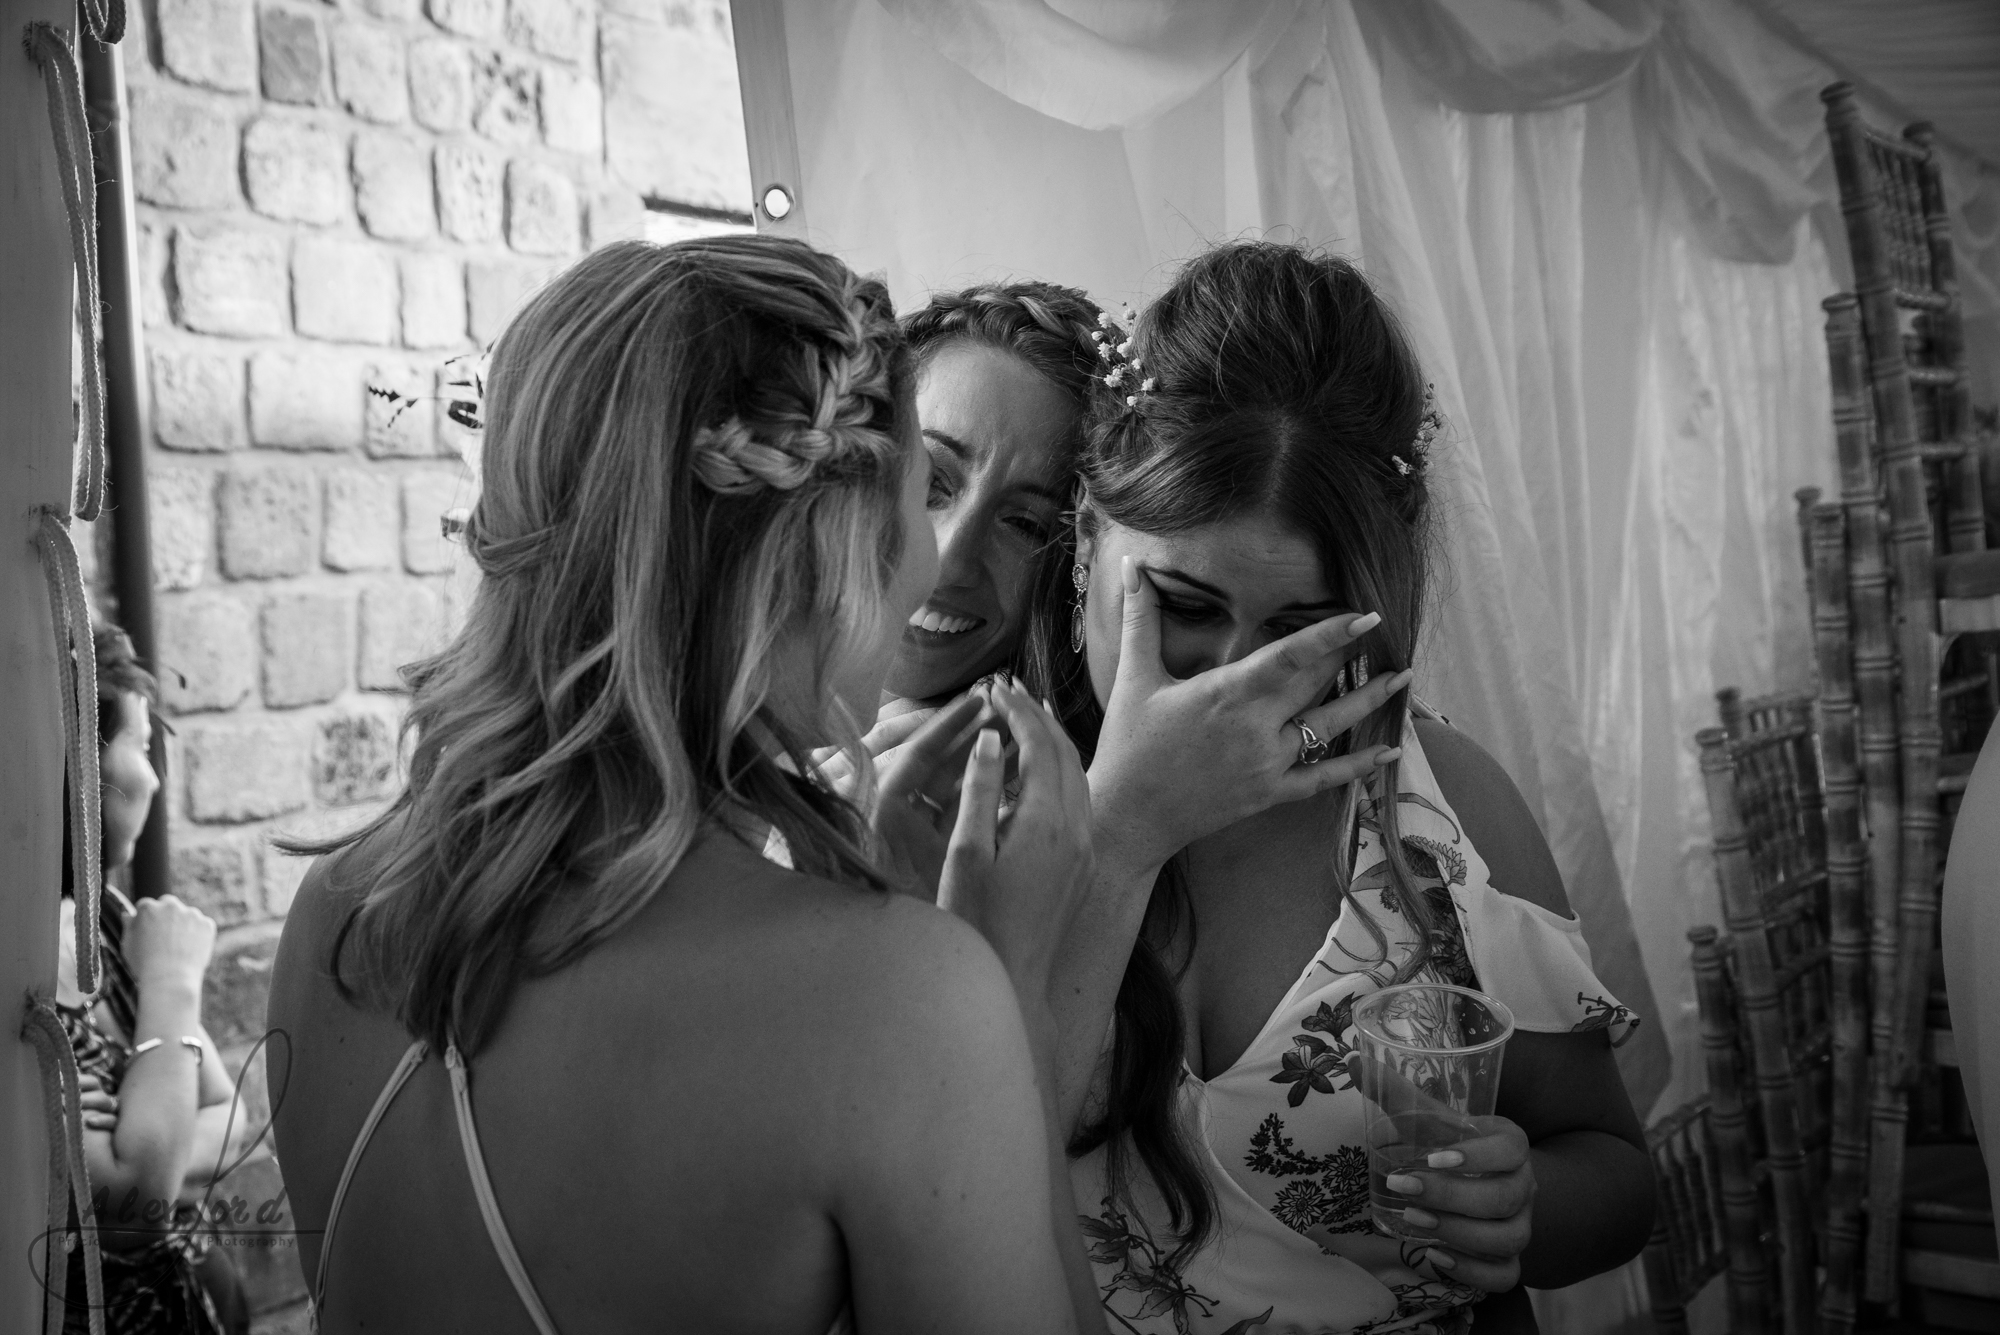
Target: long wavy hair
1283, 387
693, 453
1049, 328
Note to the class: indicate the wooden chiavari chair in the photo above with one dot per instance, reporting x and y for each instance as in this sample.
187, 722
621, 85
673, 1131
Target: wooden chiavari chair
1905, 432
1768, 817
1847, 927
1690, 1242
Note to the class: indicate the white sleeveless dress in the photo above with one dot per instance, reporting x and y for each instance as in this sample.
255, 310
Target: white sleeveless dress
1294, 1252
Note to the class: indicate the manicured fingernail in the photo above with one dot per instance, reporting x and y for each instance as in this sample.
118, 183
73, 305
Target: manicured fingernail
1388, 754
1442, 1260
1362, 624
1403, 1184
1421, 1218
1128, 571
988, 744
1401, 679
1446, 1159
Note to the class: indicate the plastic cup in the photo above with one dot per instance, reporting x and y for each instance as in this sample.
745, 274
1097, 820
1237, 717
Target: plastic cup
1427, 1063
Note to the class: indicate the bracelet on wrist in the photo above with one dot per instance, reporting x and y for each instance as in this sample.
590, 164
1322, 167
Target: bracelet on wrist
186, 1040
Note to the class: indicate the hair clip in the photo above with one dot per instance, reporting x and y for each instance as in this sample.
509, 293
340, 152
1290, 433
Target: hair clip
1428, 428
1115, 345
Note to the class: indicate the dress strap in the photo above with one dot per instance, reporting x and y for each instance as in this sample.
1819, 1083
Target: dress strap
482, 1187
413, 1057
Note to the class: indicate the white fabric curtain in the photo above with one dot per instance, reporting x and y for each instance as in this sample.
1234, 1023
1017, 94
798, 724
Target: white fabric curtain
1607, 227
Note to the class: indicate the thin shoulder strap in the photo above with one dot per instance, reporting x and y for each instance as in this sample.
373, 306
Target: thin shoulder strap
482, 1187
413, 1057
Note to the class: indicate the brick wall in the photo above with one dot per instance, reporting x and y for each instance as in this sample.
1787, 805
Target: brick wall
333, 196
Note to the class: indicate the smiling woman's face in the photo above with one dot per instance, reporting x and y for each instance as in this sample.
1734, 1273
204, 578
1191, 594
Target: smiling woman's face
995, 429
1226, 590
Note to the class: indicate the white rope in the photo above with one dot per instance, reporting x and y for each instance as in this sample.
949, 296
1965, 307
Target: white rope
76, 672
62, 1085
50, 48
62, 1110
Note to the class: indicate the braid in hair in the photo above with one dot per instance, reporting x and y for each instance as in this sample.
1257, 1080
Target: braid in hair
818, 421
1045, 325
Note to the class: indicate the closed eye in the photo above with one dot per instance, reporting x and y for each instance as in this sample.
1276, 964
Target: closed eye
1193, 613
1035, 530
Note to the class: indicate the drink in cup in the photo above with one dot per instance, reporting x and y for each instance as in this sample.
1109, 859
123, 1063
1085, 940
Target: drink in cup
1427, 1064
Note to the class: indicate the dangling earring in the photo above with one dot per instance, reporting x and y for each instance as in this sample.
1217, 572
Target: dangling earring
1360, 666
1079, 578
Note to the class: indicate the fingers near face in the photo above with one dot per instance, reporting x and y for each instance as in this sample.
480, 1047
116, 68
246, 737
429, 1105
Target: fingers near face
1336, 717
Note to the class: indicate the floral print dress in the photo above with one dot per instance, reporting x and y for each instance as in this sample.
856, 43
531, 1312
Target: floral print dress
1294, 1252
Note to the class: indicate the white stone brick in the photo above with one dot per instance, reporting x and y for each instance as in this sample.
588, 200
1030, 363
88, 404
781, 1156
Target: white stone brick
305, 401
572, 112
469, 191
402, 428
506, 98
181, 502
308, 642
354, 756
468, 18
441, 85
183, 149
293, 55
244, 770
615, 214
215, 876
296, 170
198, 398
433, 301
541, 210
266, 527
558, 28
207, 646
369, 72
679, 75
209, 42
229, 280
155, 250
400, 623
427, 496
392, 185
363, 520
344, 290
494, 290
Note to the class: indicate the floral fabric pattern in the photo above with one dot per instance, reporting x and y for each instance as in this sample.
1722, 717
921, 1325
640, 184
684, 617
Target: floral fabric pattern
1295, 1249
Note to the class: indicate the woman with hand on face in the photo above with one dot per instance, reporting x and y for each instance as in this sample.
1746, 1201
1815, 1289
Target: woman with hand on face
562, 1050
1281, 830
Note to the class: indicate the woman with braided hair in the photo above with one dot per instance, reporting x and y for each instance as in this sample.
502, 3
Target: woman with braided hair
1005, 375
554, 1045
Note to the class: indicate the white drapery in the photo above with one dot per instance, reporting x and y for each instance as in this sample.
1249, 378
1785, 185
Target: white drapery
1608, 227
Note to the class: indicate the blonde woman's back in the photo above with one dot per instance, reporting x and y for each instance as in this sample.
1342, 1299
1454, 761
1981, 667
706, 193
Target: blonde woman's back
761, 1082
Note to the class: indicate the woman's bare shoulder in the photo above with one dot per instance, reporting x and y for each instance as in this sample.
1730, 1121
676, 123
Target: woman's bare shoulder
856, 950
1495, 816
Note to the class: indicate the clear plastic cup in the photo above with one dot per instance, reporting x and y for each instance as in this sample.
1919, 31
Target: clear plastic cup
1427, 1063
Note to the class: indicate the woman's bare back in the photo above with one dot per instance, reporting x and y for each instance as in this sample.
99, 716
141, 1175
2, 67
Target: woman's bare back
743, 1106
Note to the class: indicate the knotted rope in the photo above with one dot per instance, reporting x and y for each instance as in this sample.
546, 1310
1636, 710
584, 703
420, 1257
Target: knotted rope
49, 47
62, 1110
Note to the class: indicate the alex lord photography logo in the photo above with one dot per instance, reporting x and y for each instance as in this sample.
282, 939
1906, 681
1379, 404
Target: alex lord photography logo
147, 1240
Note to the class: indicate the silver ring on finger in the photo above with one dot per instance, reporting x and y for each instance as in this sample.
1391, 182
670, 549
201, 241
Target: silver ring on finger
924, 801
1311, 749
